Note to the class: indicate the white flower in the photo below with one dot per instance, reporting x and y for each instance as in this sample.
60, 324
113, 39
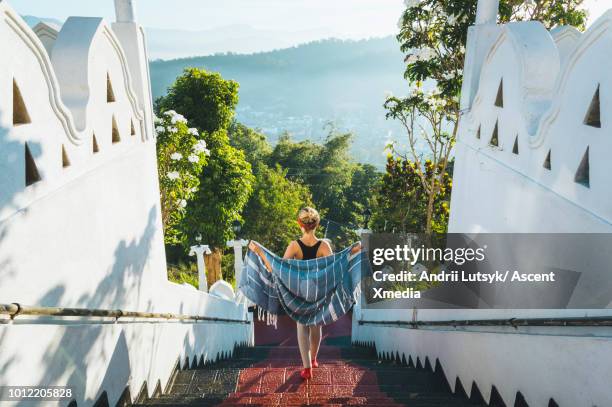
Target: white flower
182, 203
529, 3
412, 58
200, 147
193, 190
452, 20
160, 129
178, 118
412, 3
170, 113
425, 54
172, 130
193, 158
173, 175
176, 156
194, 132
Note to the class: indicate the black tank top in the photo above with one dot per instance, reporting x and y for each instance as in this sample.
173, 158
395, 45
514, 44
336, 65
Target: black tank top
309, 252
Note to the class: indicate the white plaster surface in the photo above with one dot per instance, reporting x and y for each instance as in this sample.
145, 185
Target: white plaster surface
541, 364
90, 235
549, 81
222, 289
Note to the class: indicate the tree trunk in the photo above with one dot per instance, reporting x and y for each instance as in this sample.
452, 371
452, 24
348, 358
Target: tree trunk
213, 266
430, 208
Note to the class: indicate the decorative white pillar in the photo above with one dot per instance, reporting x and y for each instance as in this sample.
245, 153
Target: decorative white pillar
238, 244
124, 10
362, 232
479, 40
199, 251
487, 11
132, 38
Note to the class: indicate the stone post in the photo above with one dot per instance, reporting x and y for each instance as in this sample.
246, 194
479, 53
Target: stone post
238, 261
199, 251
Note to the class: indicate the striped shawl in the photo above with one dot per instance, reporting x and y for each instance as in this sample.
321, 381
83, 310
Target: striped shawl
311, 292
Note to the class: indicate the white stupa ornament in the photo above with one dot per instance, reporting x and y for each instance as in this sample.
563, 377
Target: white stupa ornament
487, 12
124, 10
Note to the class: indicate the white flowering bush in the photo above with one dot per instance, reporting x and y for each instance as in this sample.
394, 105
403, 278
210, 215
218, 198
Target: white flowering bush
433, 33
181, 157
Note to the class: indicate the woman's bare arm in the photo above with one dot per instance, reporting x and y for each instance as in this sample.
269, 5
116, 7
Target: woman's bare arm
356, 249
254, 247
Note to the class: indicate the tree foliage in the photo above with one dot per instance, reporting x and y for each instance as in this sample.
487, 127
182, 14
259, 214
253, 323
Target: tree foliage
181, 158
425, 117
254, 144
205, 98
341, 189
400, 199
208, 101
271, 213
225, 186
433, 33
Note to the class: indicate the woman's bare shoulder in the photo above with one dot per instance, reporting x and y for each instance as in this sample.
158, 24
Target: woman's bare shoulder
325, 249
292, 250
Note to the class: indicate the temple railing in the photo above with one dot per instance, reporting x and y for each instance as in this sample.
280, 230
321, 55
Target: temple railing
14, 310
512, 322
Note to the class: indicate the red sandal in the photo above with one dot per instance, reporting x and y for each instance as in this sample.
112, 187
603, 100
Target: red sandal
306, 373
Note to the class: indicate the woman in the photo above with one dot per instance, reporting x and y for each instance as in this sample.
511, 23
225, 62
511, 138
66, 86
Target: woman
306, 248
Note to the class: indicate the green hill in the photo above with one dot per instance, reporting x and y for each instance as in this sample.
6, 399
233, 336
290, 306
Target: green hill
300, 89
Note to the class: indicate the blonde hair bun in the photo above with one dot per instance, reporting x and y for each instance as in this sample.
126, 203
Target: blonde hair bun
309, 217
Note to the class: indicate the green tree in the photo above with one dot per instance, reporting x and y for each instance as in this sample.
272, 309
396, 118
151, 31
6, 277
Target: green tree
208, 101
225, 186
205, 98
400, 203
181, 158
339, 186
271, 213
254, 144
433, 35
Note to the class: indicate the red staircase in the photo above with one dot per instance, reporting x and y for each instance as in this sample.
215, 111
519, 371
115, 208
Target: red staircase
269, 375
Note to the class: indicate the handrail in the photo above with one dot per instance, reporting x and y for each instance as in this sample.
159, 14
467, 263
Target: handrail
16, 309
513, 322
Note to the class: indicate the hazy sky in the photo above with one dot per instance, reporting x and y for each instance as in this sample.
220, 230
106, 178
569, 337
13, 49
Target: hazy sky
346, 18
597, 7
343, 18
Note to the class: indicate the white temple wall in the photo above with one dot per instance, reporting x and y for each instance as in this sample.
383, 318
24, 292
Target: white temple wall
87, 232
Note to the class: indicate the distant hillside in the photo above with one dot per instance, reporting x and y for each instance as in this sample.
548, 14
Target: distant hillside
238, 38
299, 89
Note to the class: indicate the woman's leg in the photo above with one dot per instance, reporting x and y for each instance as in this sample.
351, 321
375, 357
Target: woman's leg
304, 344
315, 341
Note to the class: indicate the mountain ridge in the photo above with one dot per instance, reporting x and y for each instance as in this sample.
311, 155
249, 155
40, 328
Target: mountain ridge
302, 88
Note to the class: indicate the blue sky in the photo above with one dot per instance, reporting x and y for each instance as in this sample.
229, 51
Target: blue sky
344, 18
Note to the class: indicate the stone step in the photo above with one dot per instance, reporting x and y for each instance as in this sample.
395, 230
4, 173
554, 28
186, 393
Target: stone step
269, 376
